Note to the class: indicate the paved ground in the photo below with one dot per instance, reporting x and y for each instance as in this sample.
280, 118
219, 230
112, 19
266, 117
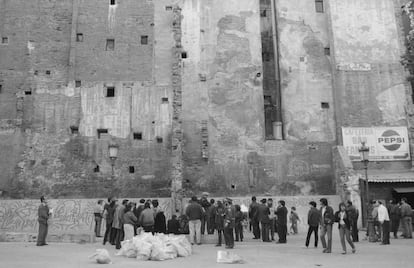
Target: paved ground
256, 254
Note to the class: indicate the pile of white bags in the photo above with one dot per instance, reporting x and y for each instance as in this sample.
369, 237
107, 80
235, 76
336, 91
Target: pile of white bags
159, 247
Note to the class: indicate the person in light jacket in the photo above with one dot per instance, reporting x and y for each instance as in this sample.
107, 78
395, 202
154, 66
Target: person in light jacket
146, 219
343, 218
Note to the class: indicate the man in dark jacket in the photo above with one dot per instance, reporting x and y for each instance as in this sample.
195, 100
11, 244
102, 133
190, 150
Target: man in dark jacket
229, 223
194, 212
327, 220
173, 225
281, 222
314, 218
43, 216
264, 212
205, 204
254, 218
353, 214
395, 214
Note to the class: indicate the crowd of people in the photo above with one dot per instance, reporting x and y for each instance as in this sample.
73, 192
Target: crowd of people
229, 221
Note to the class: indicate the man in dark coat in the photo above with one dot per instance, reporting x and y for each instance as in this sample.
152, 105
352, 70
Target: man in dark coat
353, 214
173, 225
195, 213
314, 218
229, 223
264, 212
254, 218
43, 216
205, 204
395, 214
281, 222
327, 220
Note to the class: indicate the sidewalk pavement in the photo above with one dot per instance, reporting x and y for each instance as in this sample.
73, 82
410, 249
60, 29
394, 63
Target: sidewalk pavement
255, 254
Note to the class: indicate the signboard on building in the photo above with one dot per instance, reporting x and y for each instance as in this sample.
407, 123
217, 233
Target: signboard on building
385, 143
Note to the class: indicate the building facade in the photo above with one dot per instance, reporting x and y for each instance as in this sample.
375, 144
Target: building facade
233, 97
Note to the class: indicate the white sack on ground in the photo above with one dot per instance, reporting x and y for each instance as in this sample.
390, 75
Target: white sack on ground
228, 257
101, 256
159, 247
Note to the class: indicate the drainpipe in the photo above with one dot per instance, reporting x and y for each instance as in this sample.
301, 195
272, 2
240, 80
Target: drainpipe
278, 124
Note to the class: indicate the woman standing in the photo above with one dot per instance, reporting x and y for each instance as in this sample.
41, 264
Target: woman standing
344, 224
129, 222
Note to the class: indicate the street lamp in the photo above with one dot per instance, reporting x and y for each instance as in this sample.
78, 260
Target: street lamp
113, 154
364, 153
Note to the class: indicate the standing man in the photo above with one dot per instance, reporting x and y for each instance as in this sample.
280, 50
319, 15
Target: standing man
43, 215
118, 223
211, 217
264, 220
98, 212
395, 215
194, 212
281, 222
327, 220
353, 214
229, 223
272, 218
384, 221
205, 205
314, 218
254, 218
406, 212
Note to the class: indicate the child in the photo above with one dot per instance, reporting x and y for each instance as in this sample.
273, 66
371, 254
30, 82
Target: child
294, 218
173, 225
239, 226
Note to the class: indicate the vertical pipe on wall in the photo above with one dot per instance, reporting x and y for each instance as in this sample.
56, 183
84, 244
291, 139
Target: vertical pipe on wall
278, 124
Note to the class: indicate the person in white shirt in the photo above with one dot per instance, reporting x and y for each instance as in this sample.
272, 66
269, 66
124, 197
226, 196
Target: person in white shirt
384, 221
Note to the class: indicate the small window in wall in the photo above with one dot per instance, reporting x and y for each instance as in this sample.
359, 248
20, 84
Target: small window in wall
28, 92
96, 169
112, 2
1, 88
325, 105
79, 37
36, 72
137, 135
183, 55
168, 8
327, 51
110, 91
144, 39
263, 13
48, 72
78, 83
159, 140
110, 44
4, 40
74, 129
319, 6
131, 169
102, 131
164, 100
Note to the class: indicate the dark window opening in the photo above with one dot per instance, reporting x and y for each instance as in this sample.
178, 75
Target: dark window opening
112, 2
153, 122
319, 6
78, 83
101, 131
263, 13
168, 8
48, 72
137, 136
131, 169
4, 40
74, 129
96, 169
36, 72
1, 88
164, 100
79, 37
183, 55
202, 77
27, 92
110, 91
325, 105
327, 51
159, 140
302, 59
144, 39
110, 44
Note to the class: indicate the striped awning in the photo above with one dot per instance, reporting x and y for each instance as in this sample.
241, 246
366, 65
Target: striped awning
386, 177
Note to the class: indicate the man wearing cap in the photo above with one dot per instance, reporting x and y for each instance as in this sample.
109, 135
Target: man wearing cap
194, 212
229, 223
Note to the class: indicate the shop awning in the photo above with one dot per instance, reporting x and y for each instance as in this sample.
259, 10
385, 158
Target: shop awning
404, 190
388, 177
